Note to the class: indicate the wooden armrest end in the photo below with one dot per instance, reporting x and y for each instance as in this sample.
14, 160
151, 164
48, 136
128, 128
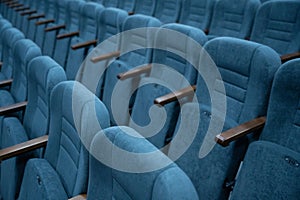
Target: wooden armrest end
106, 56
6, 83
79, 197
225, 138
22, 9
29, 12
161, 101
84, 44
53, 28
5, 110
135, 72
287, 57
67, 35
24, 147
36, 17
44, 22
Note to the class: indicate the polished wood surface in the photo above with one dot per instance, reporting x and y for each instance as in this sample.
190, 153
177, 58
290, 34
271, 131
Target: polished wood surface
44, 22
36, 16
84, 44
53, 28
79, 197
288, 57
6, 110
135, 72
29, 12
6, 83
105, 56
67, 35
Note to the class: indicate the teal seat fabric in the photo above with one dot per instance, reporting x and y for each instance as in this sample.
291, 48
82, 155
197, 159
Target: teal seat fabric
43, 75
247, 70
107, 182
233, 18
87, 31
140, 37
4, 24
166, 62
145, 7
167, 11
63, 172
197, 13
277, 24
8, 39
127, 5
61, 49
270, 169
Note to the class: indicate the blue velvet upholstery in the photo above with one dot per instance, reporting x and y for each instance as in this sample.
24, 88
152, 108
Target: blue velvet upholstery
24, 23
152, 89
197, 13
72, 24
233, 18
108, 183
145, 7
167, 11
247, 70
131, 59
109, 23
65, 165
111, 3
277, 24
88, 31
4, 24
8, 39
43, 75
127, 5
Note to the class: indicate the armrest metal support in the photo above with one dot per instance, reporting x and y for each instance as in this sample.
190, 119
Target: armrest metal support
67, 35
84, 44
169, 98
225, 138
24, 147
106, 56
135, 72
13, 108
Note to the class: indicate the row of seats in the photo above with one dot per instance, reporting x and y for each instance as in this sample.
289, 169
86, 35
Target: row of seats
247, 82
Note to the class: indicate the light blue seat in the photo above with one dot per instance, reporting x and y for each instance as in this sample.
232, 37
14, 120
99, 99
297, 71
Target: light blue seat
197, 13
111, 3
28, 6
277, 24
87, 31
145, 7
107, 182
137, 39
166, 63
271, 167
63, 172
247, 70
127, 5
233, 18
43, 75
167, 11
72, 25
4, 24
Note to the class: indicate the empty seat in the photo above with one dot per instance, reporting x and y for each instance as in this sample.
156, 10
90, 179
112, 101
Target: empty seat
4, 24
127, 5
43, 75
110, 182
197, 13
246, 74
63, 172
277, 24
233, 18
145, 7
271, 167
167, 11
110, 3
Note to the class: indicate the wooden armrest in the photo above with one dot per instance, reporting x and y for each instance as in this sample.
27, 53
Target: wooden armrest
24, 147
79, 197
287, 57
47, 21
67, 35
11, 2
29, 12
106, 56
13, 108
36, 16
53, 28
6, 83
84, 44
1, 63
22, 9
206, 31
17, 5
135, 72
235, 133
131, 13
161, 101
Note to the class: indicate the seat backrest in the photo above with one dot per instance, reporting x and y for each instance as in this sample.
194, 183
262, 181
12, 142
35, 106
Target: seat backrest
145, 7
111, 3
4, 24
110, 182
283, 117
127, 5
73, 15
87, 25
50, 9
43, 75
61, 11
9, 37
233, 18
71, 108
167, 11
24, 51
197, 13
277, 24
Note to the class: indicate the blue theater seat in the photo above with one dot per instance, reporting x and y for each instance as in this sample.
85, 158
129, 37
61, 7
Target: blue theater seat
145, 7
167, 11
127, 5
4, 24
43, 74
